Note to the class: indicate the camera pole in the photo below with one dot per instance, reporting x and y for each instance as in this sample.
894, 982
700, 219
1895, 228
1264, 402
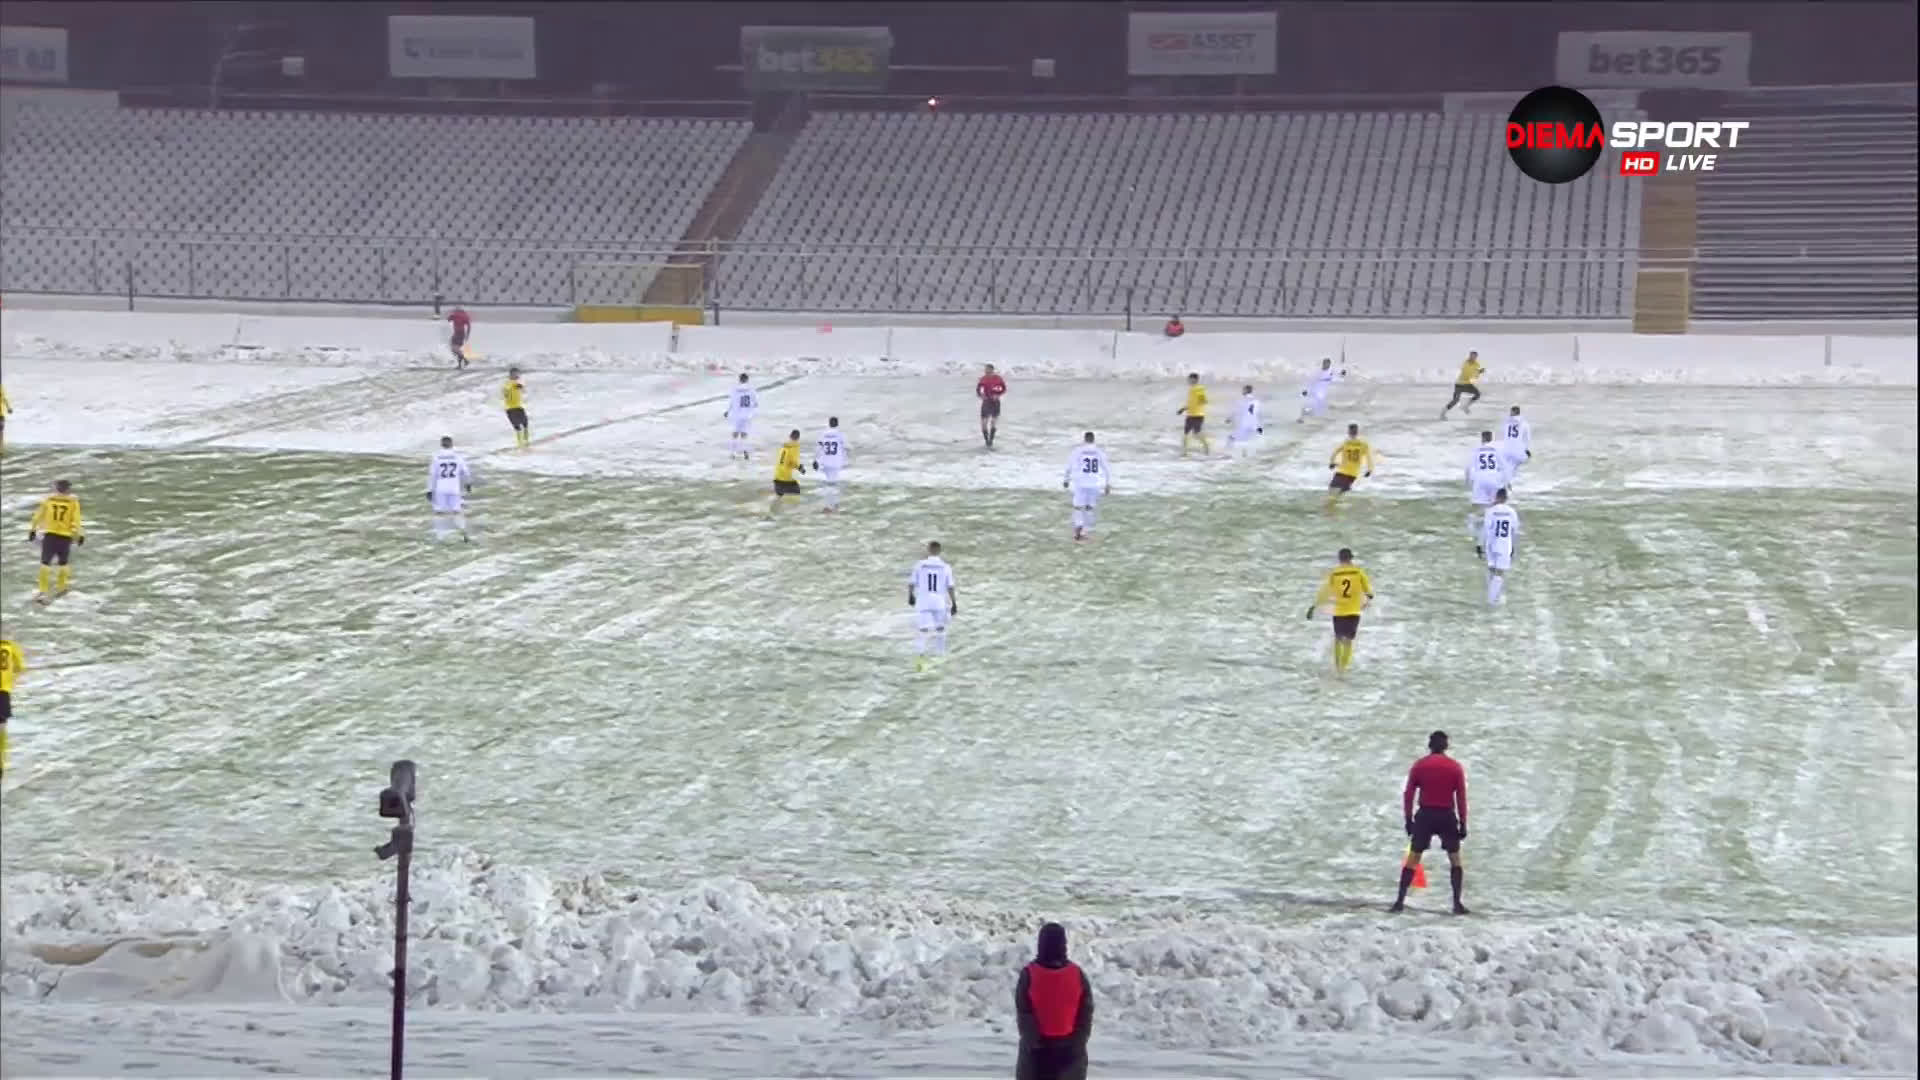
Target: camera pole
396, 801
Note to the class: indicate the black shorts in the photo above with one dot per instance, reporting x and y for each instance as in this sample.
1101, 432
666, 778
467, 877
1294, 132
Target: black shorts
1346, 626
786, 487
1464, 389
6, 706
1194, 424
55, 549
989, 408
517, 417
1341, 482
1431, 822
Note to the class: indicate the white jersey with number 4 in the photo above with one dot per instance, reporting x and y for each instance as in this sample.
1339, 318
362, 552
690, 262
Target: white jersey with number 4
1486, 473
1497, 534
448, 476
932, 591
1246, 419
741, 404
1516, 440
1088, 473
830, 450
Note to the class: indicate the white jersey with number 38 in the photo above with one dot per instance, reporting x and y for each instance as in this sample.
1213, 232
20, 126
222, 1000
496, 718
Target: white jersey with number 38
1087, 468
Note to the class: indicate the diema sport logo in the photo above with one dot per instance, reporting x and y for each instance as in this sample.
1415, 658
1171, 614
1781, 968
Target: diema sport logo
1555, 135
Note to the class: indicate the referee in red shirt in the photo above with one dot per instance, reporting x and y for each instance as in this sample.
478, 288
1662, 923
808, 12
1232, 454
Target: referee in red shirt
1442, 793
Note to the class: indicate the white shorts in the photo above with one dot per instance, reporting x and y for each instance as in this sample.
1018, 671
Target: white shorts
1086, 498
830, 474
1483, 494
742, 425
1316, 403
1499, 560
1514, 459
447, 502
932, 618
1245, 435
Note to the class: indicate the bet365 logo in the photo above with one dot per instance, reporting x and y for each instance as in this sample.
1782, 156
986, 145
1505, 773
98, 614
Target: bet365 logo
1555, 135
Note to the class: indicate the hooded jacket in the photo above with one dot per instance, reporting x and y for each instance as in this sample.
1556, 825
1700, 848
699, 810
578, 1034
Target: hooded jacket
1053, 1004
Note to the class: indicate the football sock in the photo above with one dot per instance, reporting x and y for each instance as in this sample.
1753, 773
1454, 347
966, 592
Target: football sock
65, 579
3, 746
46, 577
439, 527
1454, 875
1406, 882
940, 643
1495, 585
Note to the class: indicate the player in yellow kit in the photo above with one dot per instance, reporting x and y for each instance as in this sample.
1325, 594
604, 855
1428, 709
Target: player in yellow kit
785, 465
514, 395
6, 409
1470, 371
59, 519
1348, 590
12, 662
1351, 460
1195, 410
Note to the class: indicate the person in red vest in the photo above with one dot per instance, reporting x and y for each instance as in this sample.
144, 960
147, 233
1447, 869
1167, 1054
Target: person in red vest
1053, 1003
462, 324
1175, 327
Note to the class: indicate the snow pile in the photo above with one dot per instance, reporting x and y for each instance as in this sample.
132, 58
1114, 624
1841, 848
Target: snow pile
1386, 357
499, 937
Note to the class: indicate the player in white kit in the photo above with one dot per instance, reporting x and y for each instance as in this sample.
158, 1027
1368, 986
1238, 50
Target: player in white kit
1516, 443
1486, 474
931, 595
449, 480
1497, 535
830, 457
1088, 477
1246, 424
1317, 390
742, 403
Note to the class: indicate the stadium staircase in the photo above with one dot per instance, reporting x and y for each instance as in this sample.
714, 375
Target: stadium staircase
682, 283
1669, 227
1829, 200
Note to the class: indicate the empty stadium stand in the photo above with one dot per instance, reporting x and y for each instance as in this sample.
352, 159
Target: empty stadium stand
271, 205
1401, 214
1833, 197
1315, 214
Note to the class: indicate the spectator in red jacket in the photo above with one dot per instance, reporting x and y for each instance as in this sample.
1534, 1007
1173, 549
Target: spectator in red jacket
1053, 1003
1175, 327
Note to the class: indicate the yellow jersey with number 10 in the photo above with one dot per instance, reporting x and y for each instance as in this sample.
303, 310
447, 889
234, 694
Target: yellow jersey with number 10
1352, 456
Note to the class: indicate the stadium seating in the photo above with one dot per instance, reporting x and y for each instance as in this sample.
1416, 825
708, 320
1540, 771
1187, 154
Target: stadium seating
1371, 215
1808, 188
864, 197
272, 205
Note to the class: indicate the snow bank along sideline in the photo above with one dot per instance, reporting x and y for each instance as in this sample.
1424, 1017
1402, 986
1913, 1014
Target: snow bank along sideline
505, 937
1621, 359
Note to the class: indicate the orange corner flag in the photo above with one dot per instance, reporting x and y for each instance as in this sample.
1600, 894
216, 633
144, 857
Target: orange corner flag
1419, 870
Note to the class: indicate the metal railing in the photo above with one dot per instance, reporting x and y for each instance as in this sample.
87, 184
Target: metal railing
1334, 282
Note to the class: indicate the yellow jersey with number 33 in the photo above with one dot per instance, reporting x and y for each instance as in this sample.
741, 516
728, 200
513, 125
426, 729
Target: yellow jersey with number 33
1347, 588
11, 663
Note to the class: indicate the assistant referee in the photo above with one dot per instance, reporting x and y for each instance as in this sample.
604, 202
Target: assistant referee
1441, 785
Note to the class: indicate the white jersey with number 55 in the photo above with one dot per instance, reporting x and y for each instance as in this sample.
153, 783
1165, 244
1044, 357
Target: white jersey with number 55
932, 584
1486, 473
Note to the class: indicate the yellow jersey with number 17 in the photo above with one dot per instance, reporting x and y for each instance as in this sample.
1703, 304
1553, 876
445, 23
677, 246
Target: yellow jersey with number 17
59, 515
514, 394
1196, 402
1346, 588
788, 461
11, 663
